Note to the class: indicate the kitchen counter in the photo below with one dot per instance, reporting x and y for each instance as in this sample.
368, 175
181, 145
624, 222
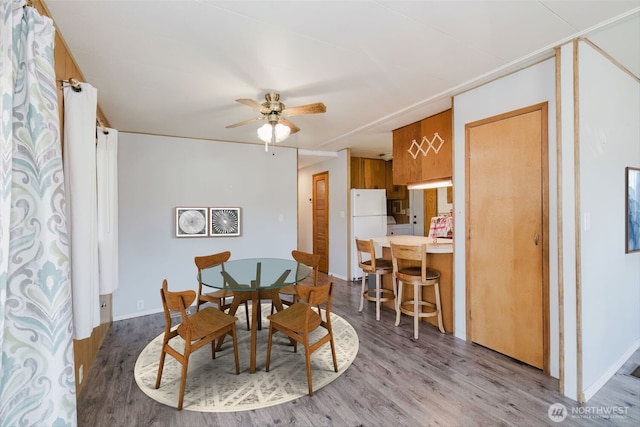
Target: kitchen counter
440, 257
443, 246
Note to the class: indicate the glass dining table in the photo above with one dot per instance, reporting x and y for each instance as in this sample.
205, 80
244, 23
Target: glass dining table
254, 279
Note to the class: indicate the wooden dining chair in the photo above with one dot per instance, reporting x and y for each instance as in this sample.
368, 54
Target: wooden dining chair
197, 330
220, 297
290, 292
300, 319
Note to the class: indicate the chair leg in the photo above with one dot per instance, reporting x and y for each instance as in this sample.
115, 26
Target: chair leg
416, 310
377, 297
364, 275
183, 380
307, 356
271, 332
394, 283
246, 314
400, 286
438, 307
160, 368
235, 347
333, 353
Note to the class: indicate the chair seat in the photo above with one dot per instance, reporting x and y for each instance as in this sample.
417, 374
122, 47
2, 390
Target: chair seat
431, 273
381, 264
221, 293
293, 318
288, 290
201, 322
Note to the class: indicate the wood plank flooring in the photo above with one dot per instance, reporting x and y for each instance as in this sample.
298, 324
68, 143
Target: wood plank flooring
394, 381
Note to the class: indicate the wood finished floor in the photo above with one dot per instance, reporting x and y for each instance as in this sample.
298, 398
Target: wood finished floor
394, 381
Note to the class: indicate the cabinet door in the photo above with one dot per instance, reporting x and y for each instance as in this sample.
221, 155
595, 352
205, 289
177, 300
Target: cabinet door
405, 168
374, 174
356, 173
436, 165
393, 191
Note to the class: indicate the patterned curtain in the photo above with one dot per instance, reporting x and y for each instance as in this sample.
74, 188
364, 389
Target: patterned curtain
37, 383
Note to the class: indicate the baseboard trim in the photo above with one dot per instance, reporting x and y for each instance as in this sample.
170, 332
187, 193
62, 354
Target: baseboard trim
590, 391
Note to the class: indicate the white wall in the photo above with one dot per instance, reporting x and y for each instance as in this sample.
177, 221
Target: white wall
338, 214
531, 86
157, 174
609, 106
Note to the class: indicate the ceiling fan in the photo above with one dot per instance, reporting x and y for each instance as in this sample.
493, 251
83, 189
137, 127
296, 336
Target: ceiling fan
278, 127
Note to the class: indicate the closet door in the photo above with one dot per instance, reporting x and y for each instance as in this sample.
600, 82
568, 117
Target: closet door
507, 278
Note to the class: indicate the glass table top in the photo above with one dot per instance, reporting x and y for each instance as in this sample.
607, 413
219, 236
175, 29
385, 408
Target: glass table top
254, 274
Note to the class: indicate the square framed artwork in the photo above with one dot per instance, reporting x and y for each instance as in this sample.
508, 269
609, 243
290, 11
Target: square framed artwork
632, 205
224, 222
192, 222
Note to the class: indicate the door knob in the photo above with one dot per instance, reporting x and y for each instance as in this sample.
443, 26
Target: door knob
535, 239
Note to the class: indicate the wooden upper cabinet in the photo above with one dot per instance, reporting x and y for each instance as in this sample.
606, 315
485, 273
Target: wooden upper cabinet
437, 165
368, 173
374, 174
394, 191
405, 169
434, 165
357, 180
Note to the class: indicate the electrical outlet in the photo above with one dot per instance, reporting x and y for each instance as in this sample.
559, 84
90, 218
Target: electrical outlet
140, 305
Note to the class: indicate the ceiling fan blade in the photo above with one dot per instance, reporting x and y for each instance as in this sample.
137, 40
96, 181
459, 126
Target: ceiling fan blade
253, 104
235, 125
315, 108
291, 126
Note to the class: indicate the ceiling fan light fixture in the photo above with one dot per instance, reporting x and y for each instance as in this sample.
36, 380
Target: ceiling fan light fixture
265, 132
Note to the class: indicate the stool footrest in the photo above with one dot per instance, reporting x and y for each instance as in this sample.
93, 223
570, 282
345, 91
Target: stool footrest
385, 295
407, 308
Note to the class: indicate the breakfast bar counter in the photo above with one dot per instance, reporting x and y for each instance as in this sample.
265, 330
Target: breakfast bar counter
440, 257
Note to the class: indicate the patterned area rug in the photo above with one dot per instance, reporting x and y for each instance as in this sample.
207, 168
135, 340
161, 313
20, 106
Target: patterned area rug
213, 386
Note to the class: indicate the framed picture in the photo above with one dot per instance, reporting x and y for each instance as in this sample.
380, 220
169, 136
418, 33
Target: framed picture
224, 222
192, 222
633, 209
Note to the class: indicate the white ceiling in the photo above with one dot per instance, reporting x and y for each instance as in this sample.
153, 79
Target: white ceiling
176, 67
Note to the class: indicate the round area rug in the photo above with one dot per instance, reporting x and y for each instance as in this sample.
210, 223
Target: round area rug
213, 386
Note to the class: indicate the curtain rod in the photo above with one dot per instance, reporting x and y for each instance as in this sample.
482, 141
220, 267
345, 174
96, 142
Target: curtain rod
73, 83
101, 124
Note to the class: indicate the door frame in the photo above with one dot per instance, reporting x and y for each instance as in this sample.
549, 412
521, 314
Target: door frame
543, 108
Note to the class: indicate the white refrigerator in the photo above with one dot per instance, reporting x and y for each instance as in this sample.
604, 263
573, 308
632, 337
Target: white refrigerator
368, 219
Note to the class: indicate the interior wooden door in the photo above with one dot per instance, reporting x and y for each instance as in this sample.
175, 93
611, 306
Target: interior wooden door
507, 283
321, 219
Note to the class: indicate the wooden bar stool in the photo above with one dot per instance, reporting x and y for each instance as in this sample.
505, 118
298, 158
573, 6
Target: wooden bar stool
410, 266
368, 262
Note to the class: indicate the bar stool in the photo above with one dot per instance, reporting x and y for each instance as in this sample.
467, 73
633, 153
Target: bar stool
368, 262
410, 267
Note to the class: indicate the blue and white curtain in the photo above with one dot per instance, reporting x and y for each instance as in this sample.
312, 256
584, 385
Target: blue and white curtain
37, 383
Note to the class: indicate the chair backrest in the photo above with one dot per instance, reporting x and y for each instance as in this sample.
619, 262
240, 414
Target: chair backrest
404, 256
175, 301
317, 296
366, 255
310, 260
207, 261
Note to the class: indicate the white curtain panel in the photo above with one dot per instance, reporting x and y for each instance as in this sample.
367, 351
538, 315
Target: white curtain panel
107, 169
37, 381
82, 205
